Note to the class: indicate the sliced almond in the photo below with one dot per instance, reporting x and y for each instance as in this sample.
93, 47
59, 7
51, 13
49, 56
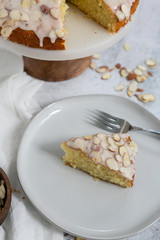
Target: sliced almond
138, 71
93, 65
101, 70
6, 32
130, 93
118, 158
106, 76
126, 160
146, 97
3, 13
120, 87
112, 149
96, 140
102, 136
95, 156
151, 63
59, 33
88, 137
120, 143
116, 137
122, 150
54, 13
120, 15
139, 79
127, 47
15, 14
123, 72
142, 68
96, 56
104, 144
112, 164
125, 9
133, 86
111, 141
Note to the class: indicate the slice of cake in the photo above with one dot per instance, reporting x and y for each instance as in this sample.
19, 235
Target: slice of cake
107, 157
34, 23
111, 14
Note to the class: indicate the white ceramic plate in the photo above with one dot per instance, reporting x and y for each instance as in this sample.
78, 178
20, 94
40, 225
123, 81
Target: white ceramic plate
85, 38
71, 199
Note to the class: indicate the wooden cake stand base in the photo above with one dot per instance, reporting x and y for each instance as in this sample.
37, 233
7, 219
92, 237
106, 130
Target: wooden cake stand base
53, 71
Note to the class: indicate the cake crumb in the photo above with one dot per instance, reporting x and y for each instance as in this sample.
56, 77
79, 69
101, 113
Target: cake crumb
96, 179
16, 191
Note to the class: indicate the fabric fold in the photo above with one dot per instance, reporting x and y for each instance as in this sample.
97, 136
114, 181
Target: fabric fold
17, 108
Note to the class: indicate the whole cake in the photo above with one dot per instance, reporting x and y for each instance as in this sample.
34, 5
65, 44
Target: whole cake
107, 157
40, 23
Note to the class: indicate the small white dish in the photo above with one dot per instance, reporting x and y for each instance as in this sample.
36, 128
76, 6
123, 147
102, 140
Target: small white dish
70, 198
85, 38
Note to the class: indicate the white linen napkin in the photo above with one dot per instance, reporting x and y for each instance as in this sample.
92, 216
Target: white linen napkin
17, 108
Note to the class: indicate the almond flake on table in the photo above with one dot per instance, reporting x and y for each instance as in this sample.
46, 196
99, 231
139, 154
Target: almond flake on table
93, 65
138, 71
146, 98
120, 87
106, 76
101, 70
142, 68
123, 72
127, 47
129, 93
133, 86
141, 78
151, 63
96, 56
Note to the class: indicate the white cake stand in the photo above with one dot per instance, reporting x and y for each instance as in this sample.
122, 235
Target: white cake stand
85, 37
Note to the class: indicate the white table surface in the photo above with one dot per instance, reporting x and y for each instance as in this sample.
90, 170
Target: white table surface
144, 39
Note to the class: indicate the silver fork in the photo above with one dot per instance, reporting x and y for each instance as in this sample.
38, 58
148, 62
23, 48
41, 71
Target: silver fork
114, 124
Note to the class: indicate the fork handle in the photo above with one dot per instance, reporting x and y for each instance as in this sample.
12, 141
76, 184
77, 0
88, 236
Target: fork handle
133, 128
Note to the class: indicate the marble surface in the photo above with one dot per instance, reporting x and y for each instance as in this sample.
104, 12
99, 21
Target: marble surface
144, 40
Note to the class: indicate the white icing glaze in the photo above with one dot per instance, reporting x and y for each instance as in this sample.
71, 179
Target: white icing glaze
36, 16
107, 151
